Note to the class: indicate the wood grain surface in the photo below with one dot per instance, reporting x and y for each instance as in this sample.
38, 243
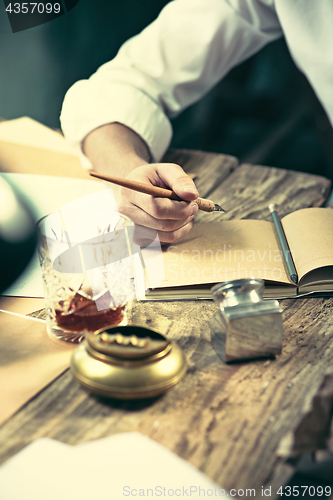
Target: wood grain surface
227, 420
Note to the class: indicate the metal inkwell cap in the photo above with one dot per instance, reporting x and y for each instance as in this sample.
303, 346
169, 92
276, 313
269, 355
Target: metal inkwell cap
128, 362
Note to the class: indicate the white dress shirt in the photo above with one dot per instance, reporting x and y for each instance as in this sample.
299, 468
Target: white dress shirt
188, 49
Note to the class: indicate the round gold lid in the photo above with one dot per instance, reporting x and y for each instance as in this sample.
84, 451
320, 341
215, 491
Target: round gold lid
128, 362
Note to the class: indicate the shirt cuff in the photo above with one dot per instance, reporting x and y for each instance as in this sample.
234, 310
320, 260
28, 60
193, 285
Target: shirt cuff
88, 106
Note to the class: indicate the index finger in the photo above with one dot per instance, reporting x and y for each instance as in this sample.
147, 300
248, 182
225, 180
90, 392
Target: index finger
163, 208
174, 177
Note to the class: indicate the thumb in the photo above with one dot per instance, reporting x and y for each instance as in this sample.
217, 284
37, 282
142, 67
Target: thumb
176, 179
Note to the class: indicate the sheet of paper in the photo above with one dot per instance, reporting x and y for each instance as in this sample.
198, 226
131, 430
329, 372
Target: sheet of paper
27, 131
310, 237
116, 467
44, 194
29, 359
29, 146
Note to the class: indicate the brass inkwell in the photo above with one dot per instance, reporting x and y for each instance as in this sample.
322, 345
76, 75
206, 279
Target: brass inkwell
128, 362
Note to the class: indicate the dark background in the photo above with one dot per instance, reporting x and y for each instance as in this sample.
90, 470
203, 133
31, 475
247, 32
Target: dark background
263, 112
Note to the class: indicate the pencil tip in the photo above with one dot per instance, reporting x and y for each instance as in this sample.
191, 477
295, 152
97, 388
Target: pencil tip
294, 278
271, 207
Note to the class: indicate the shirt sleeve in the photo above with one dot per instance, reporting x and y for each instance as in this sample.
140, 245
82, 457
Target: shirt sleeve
167, 67
308, 30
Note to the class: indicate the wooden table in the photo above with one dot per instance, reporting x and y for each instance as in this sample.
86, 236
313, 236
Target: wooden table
227, 420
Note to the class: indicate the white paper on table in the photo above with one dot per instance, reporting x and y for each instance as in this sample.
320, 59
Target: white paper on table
29, 132
45, 194
125, 465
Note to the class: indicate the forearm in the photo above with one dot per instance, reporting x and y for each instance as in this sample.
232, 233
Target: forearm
167, 67
115, 149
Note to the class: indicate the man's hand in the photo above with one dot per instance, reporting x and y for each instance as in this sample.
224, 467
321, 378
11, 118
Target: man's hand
172, 219
117, 150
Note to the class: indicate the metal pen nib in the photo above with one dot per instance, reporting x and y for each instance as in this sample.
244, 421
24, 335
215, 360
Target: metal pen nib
217, 208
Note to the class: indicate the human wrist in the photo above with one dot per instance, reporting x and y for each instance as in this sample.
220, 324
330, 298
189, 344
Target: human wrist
115, 149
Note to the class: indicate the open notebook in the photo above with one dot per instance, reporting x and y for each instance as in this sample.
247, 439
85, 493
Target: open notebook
221, 251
